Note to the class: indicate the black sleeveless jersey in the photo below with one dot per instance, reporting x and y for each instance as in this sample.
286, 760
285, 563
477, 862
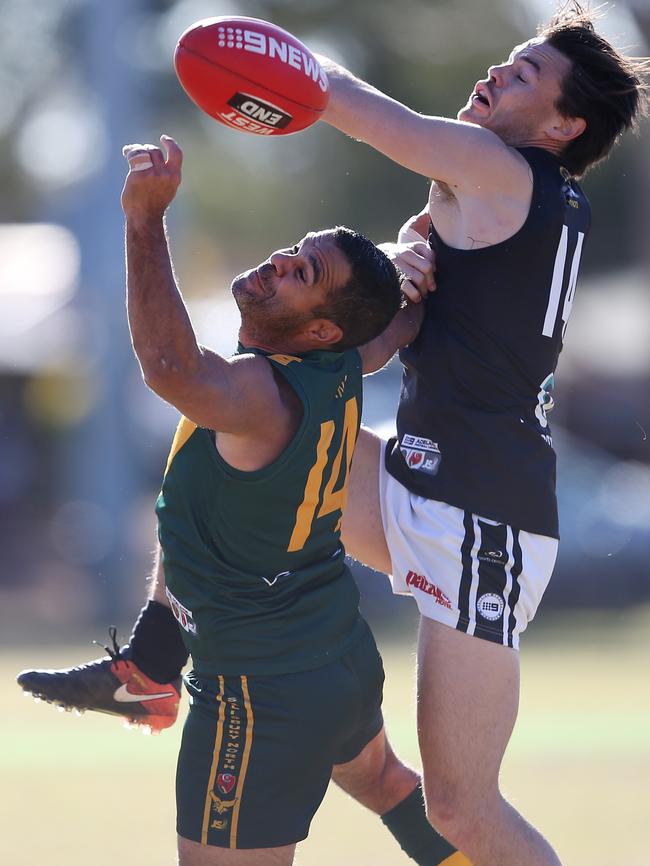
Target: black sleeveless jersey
477, 383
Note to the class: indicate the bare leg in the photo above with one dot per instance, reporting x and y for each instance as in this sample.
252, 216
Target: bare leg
192, 854
376, 777
468, 695
380, 781
362, 528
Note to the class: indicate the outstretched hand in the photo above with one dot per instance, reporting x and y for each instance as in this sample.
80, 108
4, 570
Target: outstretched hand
153, 178
416, 261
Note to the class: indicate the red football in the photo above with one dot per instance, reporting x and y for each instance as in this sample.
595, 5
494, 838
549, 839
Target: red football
251, 75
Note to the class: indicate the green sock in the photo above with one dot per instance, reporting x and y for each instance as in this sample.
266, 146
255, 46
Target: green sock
409, 825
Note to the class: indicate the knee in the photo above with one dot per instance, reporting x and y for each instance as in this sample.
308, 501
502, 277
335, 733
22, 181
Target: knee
456, 814
443, 808
397, 781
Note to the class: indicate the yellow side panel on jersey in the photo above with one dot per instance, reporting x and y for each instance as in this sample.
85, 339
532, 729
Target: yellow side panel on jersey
183, 432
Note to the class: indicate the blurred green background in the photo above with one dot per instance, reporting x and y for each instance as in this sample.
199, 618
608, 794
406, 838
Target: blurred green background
83, 443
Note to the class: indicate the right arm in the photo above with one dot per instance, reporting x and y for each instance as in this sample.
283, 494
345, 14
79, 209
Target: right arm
416, 261
460, 154
416, 228
401, 331
231, 396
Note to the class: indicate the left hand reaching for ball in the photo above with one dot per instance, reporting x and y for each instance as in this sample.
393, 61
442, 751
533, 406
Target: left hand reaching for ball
153, 178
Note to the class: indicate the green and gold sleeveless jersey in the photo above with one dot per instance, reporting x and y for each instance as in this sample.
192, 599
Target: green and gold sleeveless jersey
253, 561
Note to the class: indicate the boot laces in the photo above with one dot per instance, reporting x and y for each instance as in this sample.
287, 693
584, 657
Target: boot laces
115, 651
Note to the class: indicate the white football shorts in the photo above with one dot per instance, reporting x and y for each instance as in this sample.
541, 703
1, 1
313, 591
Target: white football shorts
473, 574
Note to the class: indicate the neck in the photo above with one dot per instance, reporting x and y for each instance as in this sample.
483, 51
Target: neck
286, 347
548, 144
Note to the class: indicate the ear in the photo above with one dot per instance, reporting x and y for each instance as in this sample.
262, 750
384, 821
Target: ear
321, 333
565, 129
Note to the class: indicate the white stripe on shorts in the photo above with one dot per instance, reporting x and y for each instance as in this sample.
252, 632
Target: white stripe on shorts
463, 570
508, 587
473, 590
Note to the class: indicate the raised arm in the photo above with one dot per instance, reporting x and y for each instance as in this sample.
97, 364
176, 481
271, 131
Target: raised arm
401, 331
225, 395
416, 261
460, 154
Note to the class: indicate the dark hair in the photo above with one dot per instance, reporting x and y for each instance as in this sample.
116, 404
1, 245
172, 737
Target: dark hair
604, 87
367, 303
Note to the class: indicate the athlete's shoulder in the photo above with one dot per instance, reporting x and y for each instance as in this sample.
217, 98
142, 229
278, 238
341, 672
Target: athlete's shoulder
251, 368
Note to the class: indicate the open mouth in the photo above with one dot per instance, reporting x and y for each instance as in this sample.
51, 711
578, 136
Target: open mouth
480, 99
480, 96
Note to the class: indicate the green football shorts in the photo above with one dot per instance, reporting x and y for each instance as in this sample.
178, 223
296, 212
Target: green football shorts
257, 751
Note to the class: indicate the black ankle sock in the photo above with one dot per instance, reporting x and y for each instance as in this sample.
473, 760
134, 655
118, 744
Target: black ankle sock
156, 645
409, 825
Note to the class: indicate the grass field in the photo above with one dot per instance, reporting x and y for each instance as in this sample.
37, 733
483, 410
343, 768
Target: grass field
85, 792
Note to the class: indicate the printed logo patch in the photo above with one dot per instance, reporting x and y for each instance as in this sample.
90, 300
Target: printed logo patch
220, 812
490, 606
182, 614
496, 556
259, 111
226, 782
420, 582
124, 696
258, 43
571, 197
420, 454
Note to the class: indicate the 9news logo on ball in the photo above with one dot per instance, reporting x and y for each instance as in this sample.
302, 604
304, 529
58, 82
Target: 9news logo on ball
251, 75
259, 43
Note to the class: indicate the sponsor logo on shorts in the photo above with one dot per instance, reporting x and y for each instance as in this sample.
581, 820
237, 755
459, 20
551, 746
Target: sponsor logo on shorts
259, 111
229, 760
496, 556
420, 454
232, 744
220, 823
244, 39
183, 615
490, 606
220, 812
420, 582
226, 782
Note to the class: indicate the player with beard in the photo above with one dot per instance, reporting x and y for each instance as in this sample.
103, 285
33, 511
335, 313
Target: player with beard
460, 507
466, 517
286, 680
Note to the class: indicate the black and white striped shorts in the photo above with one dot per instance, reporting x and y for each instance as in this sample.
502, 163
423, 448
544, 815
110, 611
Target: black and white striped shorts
473, 574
